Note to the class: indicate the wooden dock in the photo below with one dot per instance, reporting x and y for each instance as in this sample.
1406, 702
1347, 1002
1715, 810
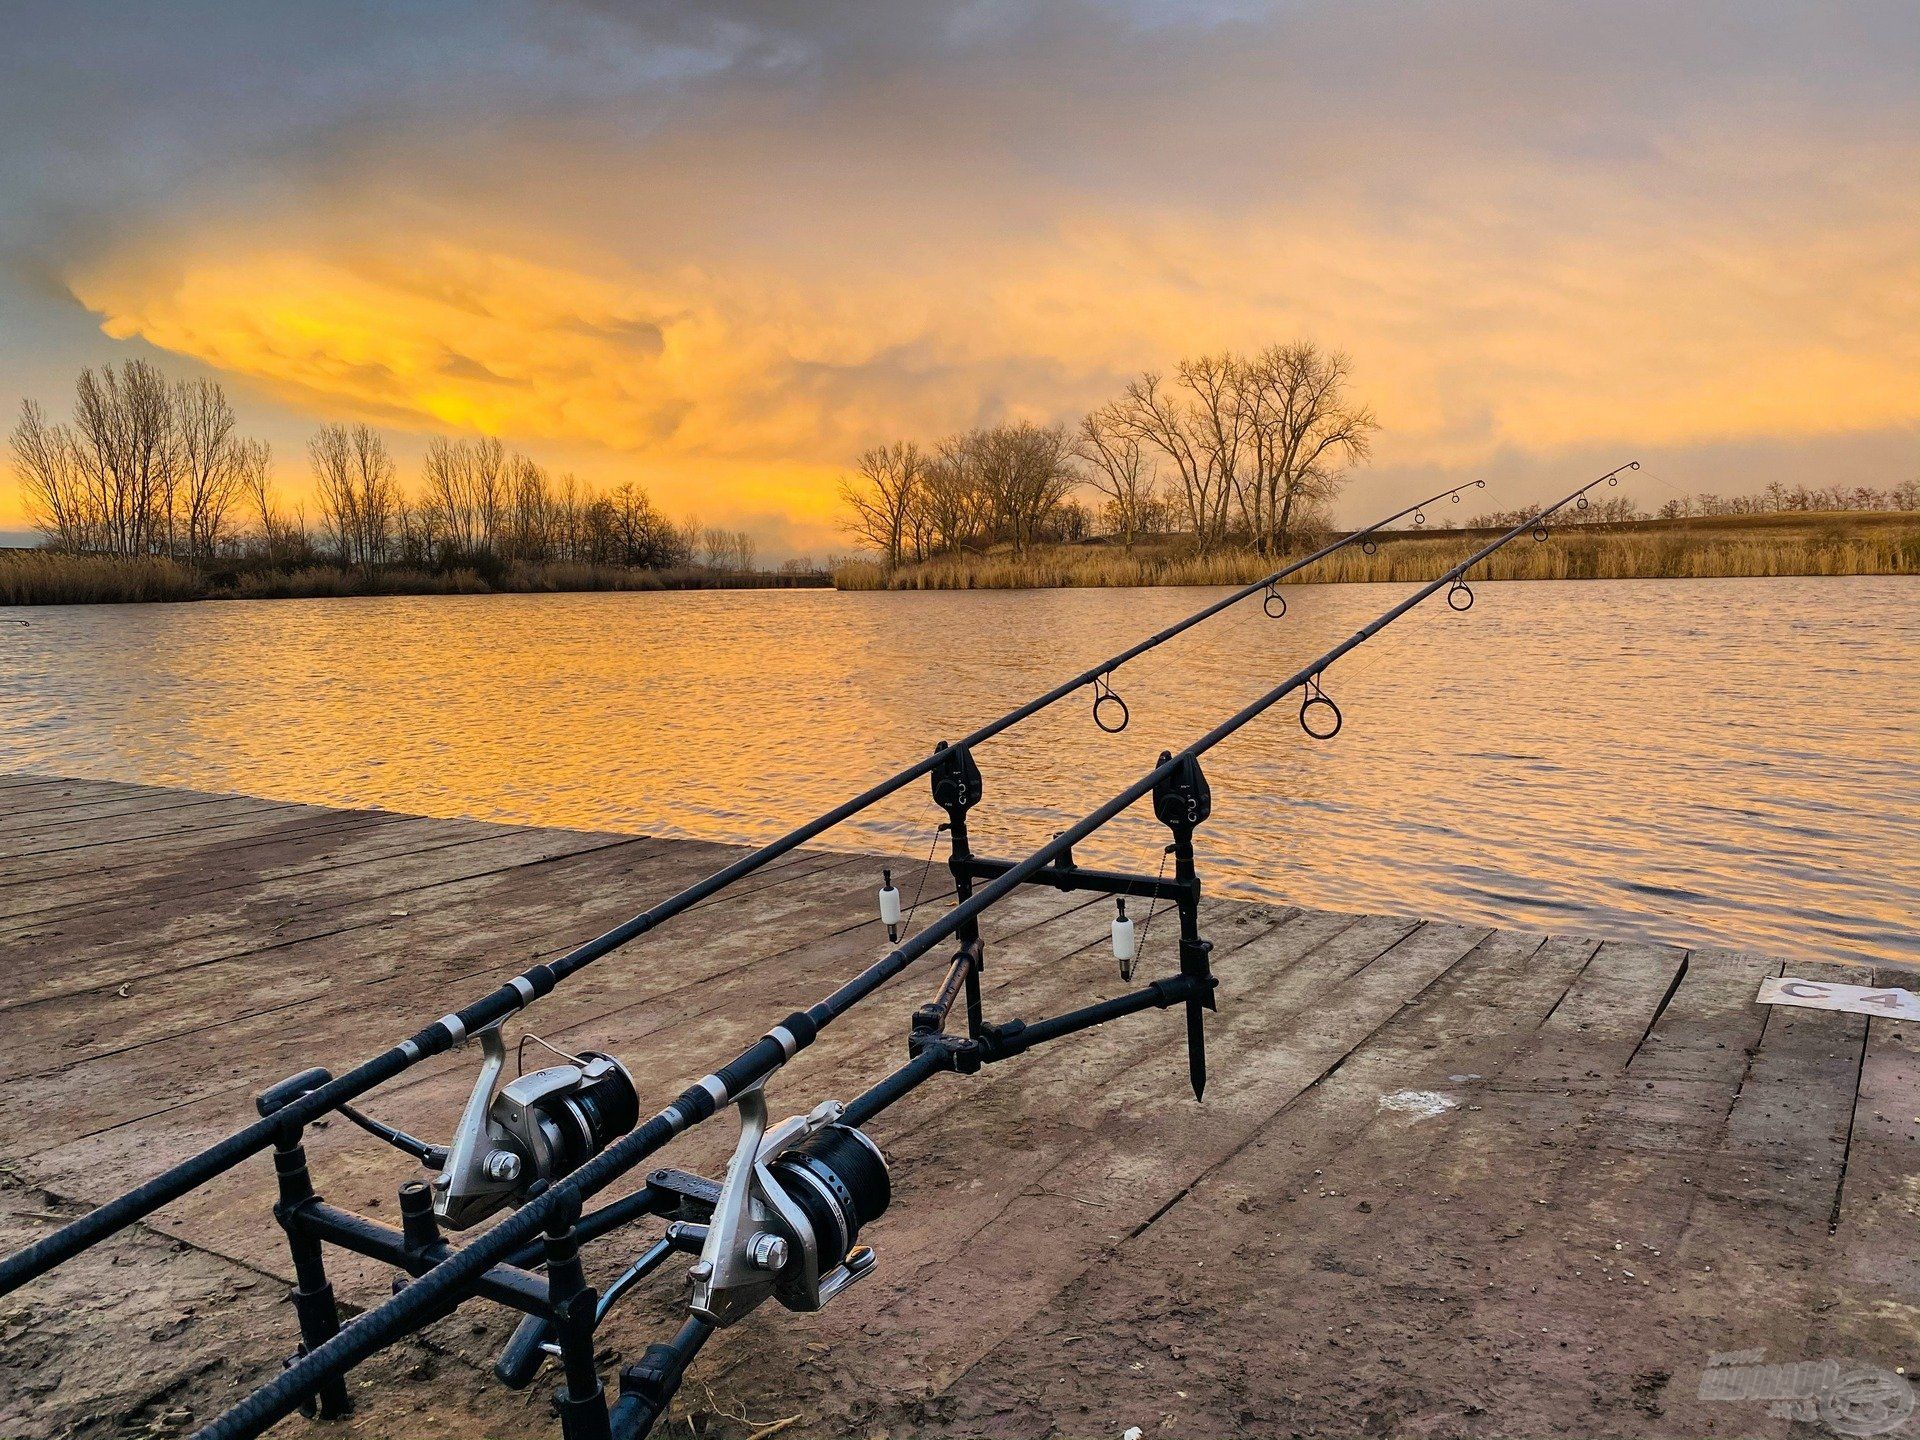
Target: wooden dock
1446, 1181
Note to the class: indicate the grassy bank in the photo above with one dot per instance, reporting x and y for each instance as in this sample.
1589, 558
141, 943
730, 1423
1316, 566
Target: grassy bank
39, 577
1836, 543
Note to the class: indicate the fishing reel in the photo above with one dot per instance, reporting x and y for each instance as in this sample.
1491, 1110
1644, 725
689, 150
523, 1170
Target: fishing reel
537, 1128
793, 1204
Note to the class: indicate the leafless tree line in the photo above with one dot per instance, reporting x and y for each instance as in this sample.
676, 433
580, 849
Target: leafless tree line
144, 467
998, 484
1228, 448
148, 467
481, 505
1777, 499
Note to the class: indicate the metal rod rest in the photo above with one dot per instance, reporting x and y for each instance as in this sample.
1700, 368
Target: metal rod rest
704, 1098
445, 1034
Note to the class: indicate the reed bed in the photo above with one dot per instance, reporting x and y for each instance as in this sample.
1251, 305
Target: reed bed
39, 577
1570, 553
44, 577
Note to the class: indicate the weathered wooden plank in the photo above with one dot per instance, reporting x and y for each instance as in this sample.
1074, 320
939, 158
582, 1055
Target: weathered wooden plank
307, 866
216, 813
1433, 1267
177, 868
1877, 1207
1594, 1031
319, 994
80, 817
76, 795
1089, 1145
1706, 1028
156, 945
25, 781
1174, 1326
46, 865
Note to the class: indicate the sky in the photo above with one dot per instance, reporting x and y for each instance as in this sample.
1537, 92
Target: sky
722, 247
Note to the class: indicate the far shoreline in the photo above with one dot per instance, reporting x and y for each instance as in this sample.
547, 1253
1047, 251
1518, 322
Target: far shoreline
1821, 543
1781, 546
45, 577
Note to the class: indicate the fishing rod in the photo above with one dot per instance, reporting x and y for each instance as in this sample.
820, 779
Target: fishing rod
1109, 713
784, 1221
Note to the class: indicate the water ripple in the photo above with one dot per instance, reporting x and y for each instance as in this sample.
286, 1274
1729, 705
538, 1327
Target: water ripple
1714, 763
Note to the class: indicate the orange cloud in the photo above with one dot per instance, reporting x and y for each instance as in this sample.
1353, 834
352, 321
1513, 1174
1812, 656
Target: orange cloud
831, 232
1472, 336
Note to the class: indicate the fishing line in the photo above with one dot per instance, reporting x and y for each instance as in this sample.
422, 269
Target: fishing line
1146, 926
927, 865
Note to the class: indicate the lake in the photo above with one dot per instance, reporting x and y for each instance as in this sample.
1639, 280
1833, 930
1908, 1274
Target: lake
1724, 762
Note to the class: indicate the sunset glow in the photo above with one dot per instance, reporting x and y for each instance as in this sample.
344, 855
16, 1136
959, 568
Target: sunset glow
722, 251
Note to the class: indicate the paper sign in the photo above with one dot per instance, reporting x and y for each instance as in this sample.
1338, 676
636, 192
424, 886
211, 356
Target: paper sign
1892, 1004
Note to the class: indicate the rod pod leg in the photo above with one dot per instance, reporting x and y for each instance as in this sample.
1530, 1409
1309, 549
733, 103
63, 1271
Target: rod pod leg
313, 1302
1182, 801
957, 788
581, 1403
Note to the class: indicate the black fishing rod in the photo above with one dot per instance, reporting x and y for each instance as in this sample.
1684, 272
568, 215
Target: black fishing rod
1110, 714
829, 1175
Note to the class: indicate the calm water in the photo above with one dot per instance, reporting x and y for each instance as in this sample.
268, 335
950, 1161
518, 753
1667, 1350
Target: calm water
1714, 763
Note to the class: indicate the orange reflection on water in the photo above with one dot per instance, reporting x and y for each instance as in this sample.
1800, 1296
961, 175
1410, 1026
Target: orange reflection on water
1710, 763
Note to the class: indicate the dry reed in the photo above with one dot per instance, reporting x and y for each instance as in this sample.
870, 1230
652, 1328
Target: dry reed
43, 577
1823, 545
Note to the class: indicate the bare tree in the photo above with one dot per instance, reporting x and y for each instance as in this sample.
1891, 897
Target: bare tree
59, 502
529, 511
1305, 432
209, 474
253, 462
467, 484
881, 501
947, 502
354, 475
126, 449
1116, 464
567, 530
1166, 417
1023, 476
642, 535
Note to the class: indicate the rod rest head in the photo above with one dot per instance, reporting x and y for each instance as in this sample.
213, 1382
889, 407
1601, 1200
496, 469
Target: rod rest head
275, 1098
959, 1054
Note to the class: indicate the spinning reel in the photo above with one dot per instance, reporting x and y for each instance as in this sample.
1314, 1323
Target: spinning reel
537, 1128
794, 1202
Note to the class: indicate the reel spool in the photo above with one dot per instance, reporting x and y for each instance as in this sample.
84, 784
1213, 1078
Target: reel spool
840, 1179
